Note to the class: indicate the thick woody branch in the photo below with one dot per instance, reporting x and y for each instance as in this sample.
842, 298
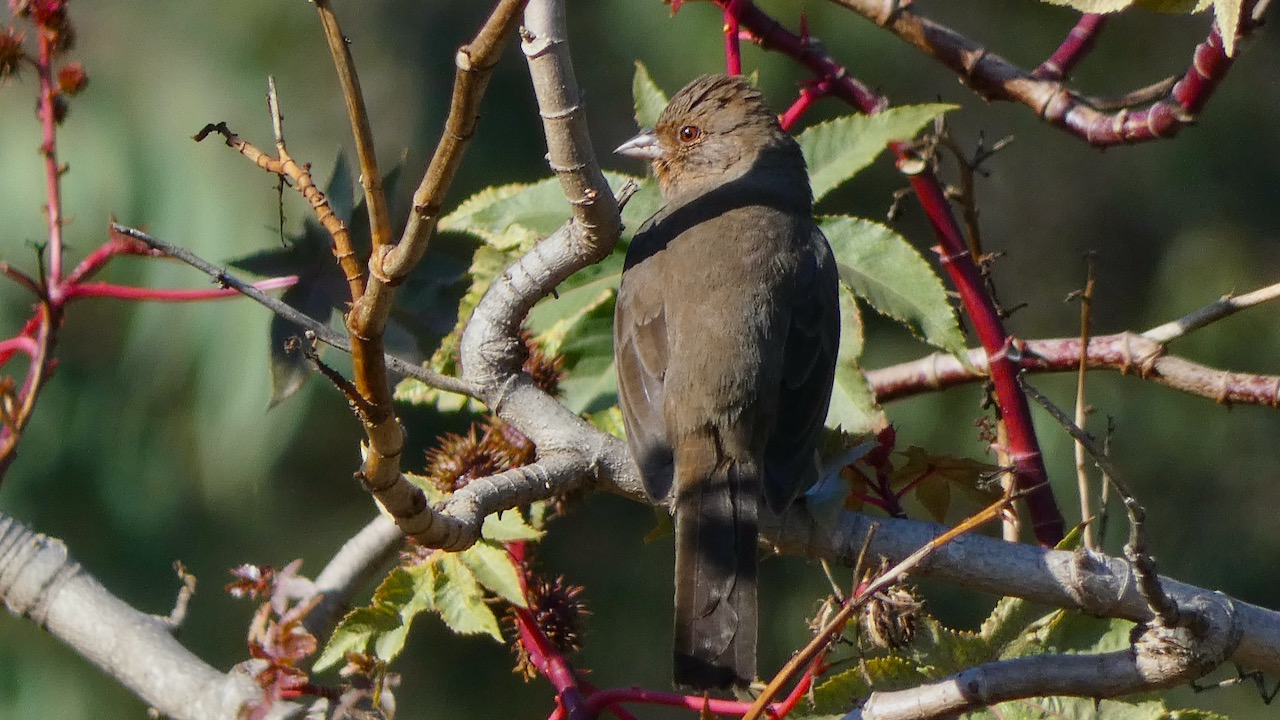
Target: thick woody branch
995, 78
1126, 353
39, 581
1158, 659
1089, 582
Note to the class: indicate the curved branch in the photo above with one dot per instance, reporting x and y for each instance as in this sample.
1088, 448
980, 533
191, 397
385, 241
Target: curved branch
1123, 352
41, 582
995, 78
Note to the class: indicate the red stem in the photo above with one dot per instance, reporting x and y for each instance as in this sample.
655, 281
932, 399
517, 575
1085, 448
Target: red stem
1074, 47
1023, 450
732, 49
96, 260
808, 96
49, 148
604, 699
124, 292
21, 344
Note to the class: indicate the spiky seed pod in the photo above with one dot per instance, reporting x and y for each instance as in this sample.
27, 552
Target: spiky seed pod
558, 611
546, 370
889, 620
11, 52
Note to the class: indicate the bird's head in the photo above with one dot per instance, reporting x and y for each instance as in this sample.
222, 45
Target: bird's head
712, 132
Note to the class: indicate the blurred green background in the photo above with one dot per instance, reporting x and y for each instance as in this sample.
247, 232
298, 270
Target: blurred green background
154, 442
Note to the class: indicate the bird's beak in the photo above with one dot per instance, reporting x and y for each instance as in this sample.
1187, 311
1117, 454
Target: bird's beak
643, 147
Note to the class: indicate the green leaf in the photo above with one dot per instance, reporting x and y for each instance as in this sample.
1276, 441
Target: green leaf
844, 690
355, 633
1227, 14
881, 267
648, 98
495, 571
838, 149
507, 220
508, 526
384, 624
511, 217
853, 408
610, 421
459, 599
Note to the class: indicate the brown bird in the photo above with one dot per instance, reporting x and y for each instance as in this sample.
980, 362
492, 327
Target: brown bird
725, 335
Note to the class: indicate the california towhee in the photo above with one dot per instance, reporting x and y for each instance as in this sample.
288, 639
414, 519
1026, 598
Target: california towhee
725, 332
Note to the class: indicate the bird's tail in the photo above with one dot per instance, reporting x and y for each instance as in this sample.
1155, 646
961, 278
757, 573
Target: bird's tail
716, 559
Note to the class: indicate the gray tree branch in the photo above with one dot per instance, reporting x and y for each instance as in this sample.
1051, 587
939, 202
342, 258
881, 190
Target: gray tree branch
41, 582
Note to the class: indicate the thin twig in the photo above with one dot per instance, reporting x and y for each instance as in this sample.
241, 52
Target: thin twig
474, 65
322, 332
1082, 472
837, 622
1228, 305
1162, 605
370, 178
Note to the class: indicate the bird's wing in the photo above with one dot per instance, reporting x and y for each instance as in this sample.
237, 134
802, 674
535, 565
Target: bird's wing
640, 351
808, 370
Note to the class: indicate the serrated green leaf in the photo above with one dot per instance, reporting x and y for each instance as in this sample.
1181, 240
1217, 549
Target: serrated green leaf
1177, 7
383, 625
1227, 15
495, 571
838, 149
853, 408
940, 651
648, 98
590, 382
1072, 708
1094, 6
843, 690
1009, 621
355, 633
508, 526
459, 599
881, 267
578, 303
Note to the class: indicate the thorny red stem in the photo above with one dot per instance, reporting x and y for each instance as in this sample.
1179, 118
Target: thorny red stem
124, 292
605, 699
49, 148
732, 48
808, 96
1074, 47
1029, 469
1023, 450
14, 345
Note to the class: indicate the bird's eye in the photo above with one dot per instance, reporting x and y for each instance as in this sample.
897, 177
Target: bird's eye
689, 133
